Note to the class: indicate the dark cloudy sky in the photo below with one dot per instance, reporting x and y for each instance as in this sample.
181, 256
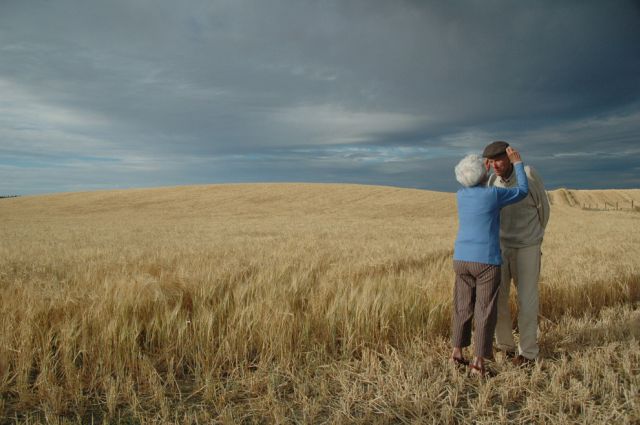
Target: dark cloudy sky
123, 93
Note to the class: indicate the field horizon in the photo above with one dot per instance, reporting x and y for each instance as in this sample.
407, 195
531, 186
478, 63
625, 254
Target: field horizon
298, 303
569, 195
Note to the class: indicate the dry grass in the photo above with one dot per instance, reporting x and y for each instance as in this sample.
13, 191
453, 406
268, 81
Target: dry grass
628, 199
294, 303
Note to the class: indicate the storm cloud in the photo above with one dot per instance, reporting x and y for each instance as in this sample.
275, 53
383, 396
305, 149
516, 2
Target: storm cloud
97, 95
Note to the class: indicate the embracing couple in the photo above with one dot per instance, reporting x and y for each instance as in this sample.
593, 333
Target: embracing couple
502, 218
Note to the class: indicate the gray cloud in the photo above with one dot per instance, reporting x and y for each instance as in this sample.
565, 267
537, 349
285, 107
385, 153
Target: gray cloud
119, 93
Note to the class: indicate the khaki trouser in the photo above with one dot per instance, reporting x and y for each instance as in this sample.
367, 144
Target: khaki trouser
523, 266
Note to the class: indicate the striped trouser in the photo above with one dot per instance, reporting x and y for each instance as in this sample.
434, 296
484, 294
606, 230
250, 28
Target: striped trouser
475, 295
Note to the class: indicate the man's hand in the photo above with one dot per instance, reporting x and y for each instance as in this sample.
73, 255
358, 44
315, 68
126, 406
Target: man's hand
514, 155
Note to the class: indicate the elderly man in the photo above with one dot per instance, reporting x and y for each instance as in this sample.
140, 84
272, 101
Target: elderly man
522, 227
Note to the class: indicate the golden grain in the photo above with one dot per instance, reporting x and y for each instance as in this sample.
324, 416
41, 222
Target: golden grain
296, 303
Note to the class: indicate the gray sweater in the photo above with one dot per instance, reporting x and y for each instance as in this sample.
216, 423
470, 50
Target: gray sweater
522, 224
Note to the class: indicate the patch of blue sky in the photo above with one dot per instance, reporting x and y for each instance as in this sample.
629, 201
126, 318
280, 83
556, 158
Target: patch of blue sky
369, 154
363, 155
52, 161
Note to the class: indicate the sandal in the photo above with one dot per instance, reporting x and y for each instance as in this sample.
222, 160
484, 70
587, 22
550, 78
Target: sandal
477, 370
459, 362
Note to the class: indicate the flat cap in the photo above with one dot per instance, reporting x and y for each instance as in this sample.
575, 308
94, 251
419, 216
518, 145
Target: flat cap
495, 149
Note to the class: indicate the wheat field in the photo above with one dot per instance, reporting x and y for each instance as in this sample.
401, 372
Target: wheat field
297, 303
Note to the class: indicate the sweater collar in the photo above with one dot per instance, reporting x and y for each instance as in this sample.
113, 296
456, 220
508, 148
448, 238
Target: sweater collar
510, 178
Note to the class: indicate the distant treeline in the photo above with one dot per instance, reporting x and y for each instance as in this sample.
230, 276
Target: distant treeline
8, 196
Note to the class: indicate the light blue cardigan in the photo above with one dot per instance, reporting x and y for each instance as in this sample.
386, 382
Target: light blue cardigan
479, 219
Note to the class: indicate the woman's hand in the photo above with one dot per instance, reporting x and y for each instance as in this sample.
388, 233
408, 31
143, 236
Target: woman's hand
514, 155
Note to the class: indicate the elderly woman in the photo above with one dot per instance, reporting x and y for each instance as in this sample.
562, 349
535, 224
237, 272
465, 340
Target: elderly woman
476, 258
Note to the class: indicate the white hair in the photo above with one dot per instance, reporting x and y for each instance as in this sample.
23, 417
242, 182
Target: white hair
470, 170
